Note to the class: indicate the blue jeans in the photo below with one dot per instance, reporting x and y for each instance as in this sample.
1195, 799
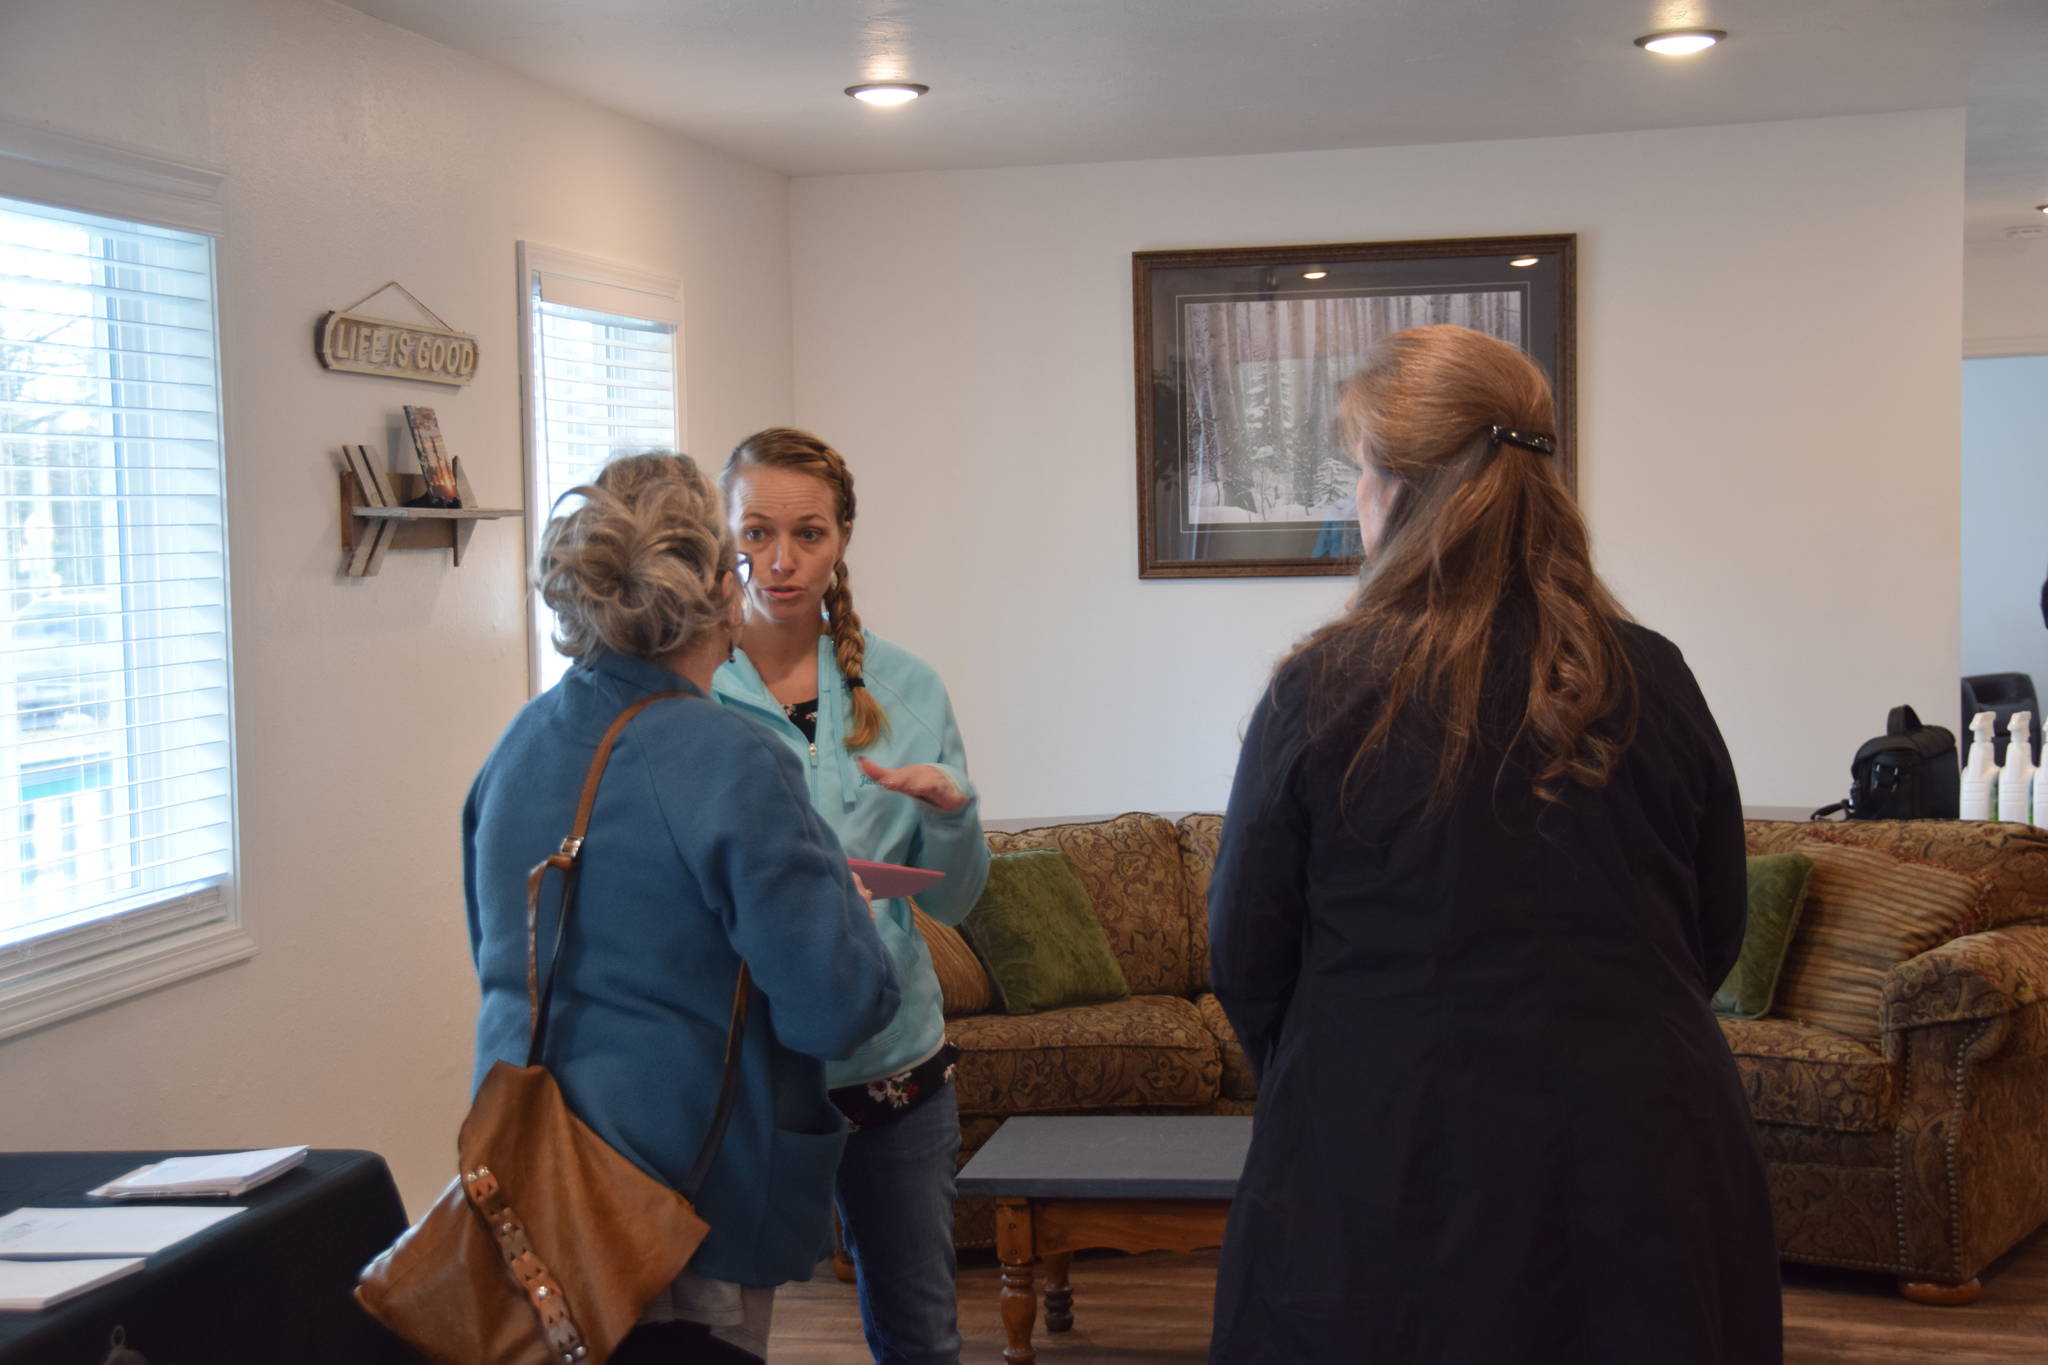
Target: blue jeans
895, 1201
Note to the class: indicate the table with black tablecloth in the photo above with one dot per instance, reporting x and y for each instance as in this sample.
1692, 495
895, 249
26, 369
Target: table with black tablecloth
272, 1284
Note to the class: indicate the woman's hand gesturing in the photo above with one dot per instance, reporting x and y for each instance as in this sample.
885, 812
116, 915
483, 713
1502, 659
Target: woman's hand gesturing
920, 782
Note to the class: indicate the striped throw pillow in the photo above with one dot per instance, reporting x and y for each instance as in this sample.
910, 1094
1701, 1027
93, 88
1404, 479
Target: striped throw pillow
964, 987
1865, 913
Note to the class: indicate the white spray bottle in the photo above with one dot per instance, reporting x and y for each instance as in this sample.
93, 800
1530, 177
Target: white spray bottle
2041, 791
2016, 780
1980, 774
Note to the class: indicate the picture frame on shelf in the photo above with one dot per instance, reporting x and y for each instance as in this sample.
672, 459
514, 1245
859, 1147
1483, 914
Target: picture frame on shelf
1241, 352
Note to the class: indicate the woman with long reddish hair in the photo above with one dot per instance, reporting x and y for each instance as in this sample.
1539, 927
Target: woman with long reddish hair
1481, 873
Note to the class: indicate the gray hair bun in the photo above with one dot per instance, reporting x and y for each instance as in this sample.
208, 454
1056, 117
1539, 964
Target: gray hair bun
635, 567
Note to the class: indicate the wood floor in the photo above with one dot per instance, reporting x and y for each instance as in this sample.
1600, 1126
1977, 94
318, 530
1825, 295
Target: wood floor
1154, 1310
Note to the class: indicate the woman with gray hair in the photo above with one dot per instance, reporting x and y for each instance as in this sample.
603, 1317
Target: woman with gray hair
702, 854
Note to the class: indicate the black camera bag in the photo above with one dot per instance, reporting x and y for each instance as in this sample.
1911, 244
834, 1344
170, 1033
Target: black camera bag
1910, 772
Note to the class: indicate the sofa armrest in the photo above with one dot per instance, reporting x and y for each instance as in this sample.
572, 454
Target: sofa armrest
1998, 975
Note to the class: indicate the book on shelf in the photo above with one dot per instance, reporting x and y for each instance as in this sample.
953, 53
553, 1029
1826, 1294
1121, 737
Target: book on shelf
227, 1174
435, 466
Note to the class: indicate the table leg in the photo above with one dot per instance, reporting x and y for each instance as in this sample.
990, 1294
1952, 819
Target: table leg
1014, 1247
1059, 1294
842, 1259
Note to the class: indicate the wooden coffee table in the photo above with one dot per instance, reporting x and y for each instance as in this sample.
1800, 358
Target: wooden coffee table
1062, 1185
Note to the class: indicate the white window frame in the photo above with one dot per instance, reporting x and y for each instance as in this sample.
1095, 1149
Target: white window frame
129, 952
604, 286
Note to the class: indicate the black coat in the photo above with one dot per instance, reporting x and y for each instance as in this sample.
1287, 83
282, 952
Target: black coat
1497, 1122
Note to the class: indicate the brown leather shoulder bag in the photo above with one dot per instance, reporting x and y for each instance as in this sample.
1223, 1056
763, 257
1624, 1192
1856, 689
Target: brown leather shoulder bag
548, 1244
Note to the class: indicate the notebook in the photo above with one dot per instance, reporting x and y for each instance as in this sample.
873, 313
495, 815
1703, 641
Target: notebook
70, 1234
887, 881
228, 1174
26, 1286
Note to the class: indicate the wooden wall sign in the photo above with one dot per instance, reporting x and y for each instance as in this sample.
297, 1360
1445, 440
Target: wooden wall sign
361, 344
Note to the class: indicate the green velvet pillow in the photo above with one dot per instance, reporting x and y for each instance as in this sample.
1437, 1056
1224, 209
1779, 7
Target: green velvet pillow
1034, 928
1777, 888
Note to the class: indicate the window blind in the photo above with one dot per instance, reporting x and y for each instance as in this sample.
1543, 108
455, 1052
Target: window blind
116, 778
606, 383
603, 383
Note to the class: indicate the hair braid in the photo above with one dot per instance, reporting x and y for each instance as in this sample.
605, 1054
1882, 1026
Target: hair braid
801, 452
849, 651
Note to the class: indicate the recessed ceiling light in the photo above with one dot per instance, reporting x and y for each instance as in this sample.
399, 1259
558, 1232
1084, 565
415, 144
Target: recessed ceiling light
1681, 42
1314, 274
2041, 208
887, 92
1524, 262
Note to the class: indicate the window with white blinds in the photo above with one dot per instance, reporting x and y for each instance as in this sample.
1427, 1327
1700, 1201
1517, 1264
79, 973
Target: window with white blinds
602, 378
117, 825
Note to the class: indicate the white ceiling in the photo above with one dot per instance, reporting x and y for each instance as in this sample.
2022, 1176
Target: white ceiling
1018, 82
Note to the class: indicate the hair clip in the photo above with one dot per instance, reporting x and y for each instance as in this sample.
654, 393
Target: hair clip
1541, 444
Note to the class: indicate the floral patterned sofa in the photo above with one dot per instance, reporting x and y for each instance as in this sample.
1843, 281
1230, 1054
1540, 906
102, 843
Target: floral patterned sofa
1912, 1142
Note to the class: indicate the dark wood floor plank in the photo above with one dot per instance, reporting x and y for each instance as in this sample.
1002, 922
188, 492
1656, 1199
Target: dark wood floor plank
1154, 1310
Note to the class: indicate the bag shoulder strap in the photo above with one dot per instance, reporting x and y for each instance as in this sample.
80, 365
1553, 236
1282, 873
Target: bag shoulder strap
728, 1091
1902, 720
568, 860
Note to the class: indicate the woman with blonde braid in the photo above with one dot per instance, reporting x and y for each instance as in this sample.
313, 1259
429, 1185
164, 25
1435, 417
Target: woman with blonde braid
872, 725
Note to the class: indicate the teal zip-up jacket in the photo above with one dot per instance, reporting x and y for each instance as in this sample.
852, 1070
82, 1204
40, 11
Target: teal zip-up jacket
883, 826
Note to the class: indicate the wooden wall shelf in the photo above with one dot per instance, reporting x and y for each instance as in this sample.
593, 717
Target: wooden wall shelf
434, 513
373, 518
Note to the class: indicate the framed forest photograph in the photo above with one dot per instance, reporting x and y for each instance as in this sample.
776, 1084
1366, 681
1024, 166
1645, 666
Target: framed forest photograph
1241, 354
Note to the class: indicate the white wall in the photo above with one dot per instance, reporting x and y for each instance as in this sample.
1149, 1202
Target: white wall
2005, 516
1768, 391
2005, 293
357, 153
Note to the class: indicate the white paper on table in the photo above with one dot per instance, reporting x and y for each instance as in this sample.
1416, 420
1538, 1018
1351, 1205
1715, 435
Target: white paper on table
26, 1286
228, 1173
57, 1234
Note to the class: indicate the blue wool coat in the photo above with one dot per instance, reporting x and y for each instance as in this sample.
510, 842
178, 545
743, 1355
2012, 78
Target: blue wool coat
703, 850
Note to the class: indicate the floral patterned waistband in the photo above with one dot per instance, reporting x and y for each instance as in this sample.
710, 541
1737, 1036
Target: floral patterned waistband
882, 1102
